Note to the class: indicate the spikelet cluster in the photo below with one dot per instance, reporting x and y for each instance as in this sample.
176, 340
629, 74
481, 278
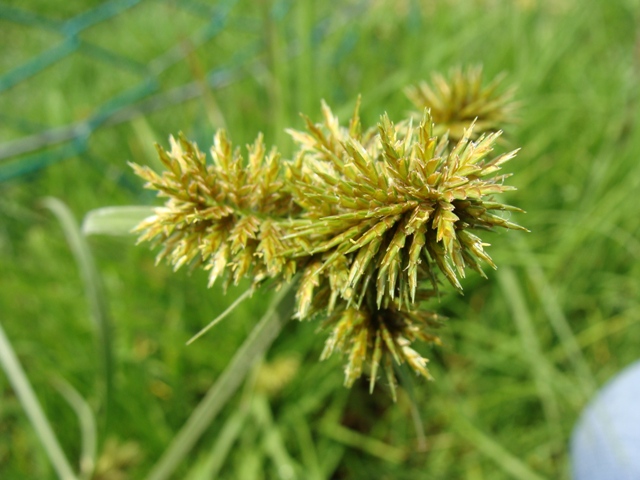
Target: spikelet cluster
383, 212
461, 98
368, 220
225, 215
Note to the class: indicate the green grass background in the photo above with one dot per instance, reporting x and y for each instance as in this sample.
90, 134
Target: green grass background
522, 352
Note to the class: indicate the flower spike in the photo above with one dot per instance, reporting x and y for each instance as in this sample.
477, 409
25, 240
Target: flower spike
371, 219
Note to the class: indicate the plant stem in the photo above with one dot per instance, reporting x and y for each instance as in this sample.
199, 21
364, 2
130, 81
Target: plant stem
31, 405
259, 340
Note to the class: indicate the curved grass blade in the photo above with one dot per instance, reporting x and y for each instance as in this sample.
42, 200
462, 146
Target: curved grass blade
93, 290
229, 433
29, 401
88, 430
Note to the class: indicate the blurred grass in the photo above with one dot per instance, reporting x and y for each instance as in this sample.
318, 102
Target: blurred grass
522, 351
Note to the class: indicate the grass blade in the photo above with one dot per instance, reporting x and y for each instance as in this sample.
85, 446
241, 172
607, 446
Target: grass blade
512, 465
418, 424
541, 367
259, 340
229, 433
367, 444
92, 286
273, 442
115, 221
88, 430
210, 466
29, 401
308, 450
552, 308
222, 316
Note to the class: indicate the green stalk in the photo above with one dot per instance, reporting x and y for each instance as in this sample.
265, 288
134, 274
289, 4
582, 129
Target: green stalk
31, 405
508, 462
259, 340
88, 430
278, 75
94, 292
541, 368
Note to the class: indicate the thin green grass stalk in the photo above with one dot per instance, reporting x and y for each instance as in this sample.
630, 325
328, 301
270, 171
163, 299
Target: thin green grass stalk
541, 368
278, 75
603, 329
440, 453
212, 110
549, 301
93, 289
252, 465
272, 441
306, 444
364, 443
409, 386
624, 238
332, 408
320, 456
259, 340
508, 462
31, 405
222, 316
516, 392
251, 461
143, 140
473, 469
305, 58
212, 464
331, 458
491, 345
606, 212
534, 71
88, 430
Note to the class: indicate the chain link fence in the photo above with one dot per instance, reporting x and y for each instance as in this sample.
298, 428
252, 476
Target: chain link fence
72, 42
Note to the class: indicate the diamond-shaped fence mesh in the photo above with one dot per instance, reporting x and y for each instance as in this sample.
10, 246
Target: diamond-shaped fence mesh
69, 70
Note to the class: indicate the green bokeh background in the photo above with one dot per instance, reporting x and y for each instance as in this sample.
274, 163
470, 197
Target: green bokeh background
87, 86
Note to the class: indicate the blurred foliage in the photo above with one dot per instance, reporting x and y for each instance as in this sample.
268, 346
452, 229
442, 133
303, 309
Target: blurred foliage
522, 352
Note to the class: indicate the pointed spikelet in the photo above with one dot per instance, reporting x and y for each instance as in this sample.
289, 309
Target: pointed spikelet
459, 99
371, 338
220, 215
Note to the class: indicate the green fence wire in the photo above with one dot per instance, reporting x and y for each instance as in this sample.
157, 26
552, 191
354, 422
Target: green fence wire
42, 146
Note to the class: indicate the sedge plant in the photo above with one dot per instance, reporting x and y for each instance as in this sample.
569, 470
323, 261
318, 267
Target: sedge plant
366, 222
